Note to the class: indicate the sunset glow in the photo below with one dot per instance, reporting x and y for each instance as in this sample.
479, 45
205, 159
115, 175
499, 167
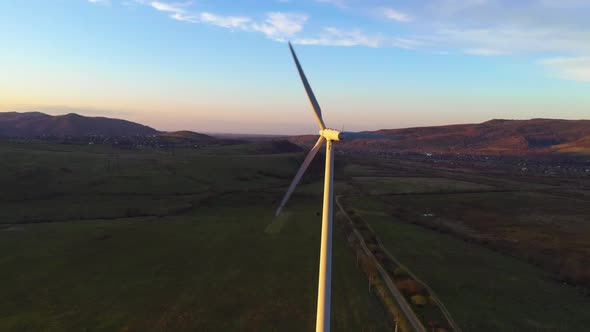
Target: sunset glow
224, 66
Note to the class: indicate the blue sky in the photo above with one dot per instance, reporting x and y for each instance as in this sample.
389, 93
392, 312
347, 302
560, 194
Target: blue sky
224, 66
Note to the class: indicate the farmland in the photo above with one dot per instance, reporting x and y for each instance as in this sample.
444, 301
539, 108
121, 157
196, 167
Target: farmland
500, 252
99, 239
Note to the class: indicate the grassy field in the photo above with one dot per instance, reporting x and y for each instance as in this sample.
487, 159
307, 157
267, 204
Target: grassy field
543, 227
548, 226
100, 239
408, 185
96, 239
442, 229
483, 289
542, 220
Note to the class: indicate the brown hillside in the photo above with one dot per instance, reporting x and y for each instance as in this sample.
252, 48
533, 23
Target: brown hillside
490, 137
34, 124
579, 146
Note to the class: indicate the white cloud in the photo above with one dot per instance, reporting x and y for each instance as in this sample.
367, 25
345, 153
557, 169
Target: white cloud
178, 9
395, 15
185, 17
225, 21
571, 68
476, 27
276, 25
492, 27
338, 37
173, 7
279, 25
514, 39
180, 12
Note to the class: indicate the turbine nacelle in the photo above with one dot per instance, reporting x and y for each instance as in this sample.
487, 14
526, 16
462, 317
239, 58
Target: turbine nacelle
331, 134
337, 135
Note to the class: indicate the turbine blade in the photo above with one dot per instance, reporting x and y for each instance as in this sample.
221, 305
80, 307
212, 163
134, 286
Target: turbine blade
300, 172
314, 103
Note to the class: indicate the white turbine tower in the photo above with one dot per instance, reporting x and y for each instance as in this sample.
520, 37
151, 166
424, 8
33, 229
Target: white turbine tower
326, 135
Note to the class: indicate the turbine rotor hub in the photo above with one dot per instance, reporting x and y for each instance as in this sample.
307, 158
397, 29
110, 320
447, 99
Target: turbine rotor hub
331, 134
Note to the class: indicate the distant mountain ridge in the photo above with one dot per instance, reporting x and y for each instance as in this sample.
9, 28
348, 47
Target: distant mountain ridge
490, 137
35, 124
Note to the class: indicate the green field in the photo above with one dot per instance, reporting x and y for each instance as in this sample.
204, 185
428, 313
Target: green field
96, 239
406, 185
485, 290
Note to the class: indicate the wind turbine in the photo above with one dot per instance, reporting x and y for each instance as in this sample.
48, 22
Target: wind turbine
328, 136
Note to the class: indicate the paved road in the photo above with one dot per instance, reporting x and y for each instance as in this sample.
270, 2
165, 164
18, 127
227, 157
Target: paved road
401, 300
431, 292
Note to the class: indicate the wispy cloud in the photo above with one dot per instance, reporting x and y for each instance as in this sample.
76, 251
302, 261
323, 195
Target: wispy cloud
337, 37
396, 15
173, 7
474, 27
571, 68
514, 39
276, 25
508, 27
281, 25
179, 10
230, 22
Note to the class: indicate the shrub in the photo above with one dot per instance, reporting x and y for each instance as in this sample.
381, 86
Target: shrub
409, 286
419, 300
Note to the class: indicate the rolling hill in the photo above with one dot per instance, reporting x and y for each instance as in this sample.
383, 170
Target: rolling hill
490, 137
35, 124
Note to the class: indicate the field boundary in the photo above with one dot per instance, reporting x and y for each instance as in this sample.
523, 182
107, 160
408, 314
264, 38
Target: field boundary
431, 292
386, 276
408, 312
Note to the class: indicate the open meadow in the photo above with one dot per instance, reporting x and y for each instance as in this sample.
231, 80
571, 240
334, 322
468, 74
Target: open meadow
100, 239
96, 238
496, 250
